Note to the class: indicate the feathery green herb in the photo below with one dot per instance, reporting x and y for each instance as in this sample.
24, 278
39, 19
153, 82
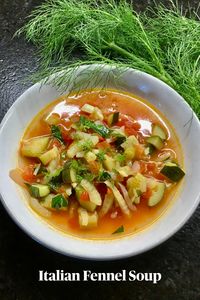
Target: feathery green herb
163, 42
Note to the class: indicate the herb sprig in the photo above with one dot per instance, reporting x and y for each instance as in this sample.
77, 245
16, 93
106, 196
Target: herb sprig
161, 41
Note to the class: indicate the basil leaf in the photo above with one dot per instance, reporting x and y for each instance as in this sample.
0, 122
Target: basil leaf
104, 176
56, 132
119, 230
59, 201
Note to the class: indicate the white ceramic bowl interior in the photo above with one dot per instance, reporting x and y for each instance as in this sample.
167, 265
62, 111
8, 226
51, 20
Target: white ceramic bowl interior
161, 96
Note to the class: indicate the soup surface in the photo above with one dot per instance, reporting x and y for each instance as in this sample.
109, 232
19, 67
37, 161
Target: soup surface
100, 165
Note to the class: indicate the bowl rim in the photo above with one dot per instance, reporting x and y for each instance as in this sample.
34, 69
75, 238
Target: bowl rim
85, 255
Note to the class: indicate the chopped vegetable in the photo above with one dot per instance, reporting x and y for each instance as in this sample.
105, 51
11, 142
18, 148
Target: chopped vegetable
56, 132
156, 141
49, 155
158, 131
173, 172
58, 202
84, 199
39, 209
100, 129
34, 147
109, 162
39, 190
119, 230
107, 204
120, 200
104, 176
113, 118
92, 191
157, 194
87, 220
119, 140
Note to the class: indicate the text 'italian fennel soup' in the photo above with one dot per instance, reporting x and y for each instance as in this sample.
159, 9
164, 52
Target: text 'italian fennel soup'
99, 165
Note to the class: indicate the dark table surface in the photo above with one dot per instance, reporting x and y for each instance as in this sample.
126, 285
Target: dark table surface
178, 259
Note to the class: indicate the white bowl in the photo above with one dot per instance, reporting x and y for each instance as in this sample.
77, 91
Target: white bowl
161, 96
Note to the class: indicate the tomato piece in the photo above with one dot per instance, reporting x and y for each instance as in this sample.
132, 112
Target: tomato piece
27, 173
151, 166
136, 126
129, 128
122, 120
84, 196
142, 167
101, 139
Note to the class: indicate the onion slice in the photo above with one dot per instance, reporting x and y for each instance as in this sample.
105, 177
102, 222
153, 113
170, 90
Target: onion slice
35, 205
126, 197
16, 176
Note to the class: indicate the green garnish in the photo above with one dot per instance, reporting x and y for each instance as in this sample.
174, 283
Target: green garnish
161, 41
54, 179
104, 176
80, 168
56, 132
59, 201
119, 230
120, 157
87, 146
101, 155
98, 128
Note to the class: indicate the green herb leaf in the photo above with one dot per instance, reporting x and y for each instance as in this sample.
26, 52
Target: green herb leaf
54, 179
120, 157
104, 176
56, 132
59, 201
98, 128
161, 41
119, 230
87, 146
101, 155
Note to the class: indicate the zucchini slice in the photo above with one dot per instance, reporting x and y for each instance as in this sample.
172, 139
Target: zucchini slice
49, 156
157, 194
88, 205
39, 190
173, 172
68, 173
88, 108
34, 147
113, 118
156, 141
158, 131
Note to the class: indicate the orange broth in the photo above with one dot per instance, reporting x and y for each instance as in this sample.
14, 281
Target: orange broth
141, 111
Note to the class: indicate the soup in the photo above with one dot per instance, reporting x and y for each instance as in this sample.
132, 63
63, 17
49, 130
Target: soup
100, 164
